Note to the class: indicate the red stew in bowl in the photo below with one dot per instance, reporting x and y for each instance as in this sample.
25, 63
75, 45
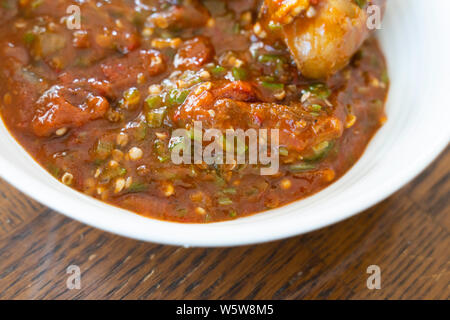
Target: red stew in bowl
96, 105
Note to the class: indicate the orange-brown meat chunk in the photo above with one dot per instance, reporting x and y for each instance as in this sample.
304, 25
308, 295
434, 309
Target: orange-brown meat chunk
55, 112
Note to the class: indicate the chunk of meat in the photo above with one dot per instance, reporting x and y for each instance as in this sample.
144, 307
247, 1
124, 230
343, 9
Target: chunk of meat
322, 35
190, 15
55, 112
17, 53
106, 27
194, 53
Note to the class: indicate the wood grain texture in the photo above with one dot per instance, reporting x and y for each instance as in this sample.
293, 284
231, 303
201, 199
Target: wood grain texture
407, 235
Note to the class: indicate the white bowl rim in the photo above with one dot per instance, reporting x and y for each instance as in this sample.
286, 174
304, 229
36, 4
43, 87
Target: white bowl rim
67, 206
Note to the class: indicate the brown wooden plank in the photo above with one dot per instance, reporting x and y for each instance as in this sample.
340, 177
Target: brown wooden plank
431, 190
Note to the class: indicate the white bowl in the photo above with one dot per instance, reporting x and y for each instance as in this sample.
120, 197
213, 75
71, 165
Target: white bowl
417, 49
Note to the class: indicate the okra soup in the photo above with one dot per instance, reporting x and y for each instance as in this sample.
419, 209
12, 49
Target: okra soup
192, 111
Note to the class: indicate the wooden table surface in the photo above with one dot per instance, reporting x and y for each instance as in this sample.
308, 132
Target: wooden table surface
407, 236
